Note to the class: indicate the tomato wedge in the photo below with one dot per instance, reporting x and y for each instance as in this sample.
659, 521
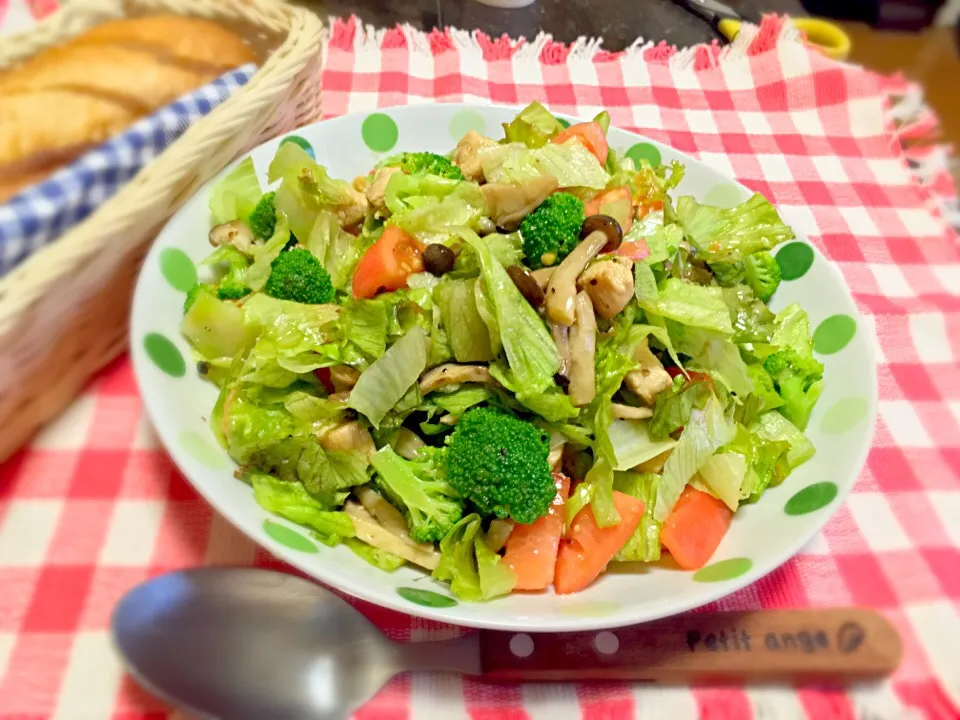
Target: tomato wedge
616, 203
635, 250
532, 549
387, 264
590, 134
590, 548
695, 527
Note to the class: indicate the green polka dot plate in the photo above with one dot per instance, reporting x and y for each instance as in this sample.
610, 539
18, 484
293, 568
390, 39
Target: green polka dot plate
763, 535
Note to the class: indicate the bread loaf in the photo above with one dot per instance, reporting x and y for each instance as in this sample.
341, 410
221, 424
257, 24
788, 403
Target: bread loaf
69, 98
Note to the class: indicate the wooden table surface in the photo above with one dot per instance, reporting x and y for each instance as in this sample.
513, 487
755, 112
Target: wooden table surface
618, 22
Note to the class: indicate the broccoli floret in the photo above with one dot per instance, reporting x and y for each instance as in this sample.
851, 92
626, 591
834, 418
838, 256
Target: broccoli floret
233, 264
427, 163
799, 381
263, 219
193, 293
762, 274
420, 490
297, 275
552, 230
230, 289
499, 463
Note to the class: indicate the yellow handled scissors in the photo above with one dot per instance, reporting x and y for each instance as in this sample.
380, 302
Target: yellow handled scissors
826, 37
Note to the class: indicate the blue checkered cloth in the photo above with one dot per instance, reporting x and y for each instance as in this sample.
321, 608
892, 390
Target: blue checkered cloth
40, 214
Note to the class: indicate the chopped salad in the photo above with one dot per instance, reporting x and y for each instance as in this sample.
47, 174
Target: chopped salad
510, 365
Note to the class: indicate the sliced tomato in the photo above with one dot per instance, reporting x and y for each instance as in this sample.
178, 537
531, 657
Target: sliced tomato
616, 203
695, 527
387, 263
589, 548
590, 134
532, 549
644, 208
635, 250
323, 375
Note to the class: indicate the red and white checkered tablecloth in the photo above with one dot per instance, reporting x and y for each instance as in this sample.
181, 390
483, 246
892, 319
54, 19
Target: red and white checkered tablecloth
94, 505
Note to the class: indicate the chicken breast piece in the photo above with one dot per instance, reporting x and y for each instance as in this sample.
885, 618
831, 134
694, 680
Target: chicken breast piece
354, 212
467, 155
349, 436
609, 283
510, 203
650, 379
376, 193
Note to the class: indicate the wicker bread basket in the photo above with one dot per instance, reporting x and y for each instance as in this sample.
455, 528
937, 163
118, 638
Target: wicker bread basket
64, 311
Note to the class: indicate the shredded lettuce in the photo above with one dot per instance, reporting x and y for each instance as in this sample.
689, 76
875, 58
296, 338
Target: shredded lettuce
386, 381
533, 127
570, 163
474, 571
632, 444
292, 501
526, 341
673, 408
644, 544
707, 431
301, 458
235, 197
792, 330
408, 192
729, 235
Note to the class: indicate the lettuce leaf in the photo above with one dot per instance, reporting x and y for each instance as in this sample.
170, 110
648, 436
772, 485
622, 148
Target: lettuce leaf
437, 219
729, 235
600, 480
461, 399
632, 444
466, 331
672, 409
570, 163
308, 183
775, 427
390, 377
380, 559
257, 274
703, 435
533, 127
364, 322
644, 544
530, 351
300, 458
235, 197
292, 338
408, 192
792, 330
336, 249
689, 304
292, 501
474, 571
662, 242
722, 476
714, 354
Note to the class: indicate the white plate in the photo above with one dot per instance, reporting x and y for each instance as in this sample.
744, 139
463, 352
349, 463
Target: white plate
763, 535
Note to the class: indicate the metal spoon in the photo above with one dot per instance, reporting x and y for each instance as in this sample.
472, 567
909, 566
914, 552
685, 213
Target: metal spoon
239, 643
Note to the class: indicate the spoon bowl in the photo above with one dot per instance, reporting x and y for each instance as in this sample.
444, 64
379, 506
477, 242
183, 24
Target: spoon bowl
245, 643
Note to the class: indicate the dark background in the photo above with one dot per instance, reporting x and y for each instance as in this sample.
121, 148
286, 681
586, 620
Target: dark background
619, 22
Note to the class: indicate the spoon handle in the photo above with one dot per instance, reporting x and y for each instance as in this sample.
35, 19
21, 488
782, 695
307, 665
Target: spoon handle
838, 645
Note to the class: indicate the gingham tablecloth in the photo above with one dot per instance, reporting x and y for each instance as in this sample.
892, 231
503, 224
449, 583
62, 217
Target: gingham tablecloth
94, 505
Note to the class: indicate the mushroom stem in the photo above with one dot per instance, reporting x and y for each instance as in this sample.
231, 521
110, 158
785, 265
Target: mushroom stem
583, 347
562, 288
561, 339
